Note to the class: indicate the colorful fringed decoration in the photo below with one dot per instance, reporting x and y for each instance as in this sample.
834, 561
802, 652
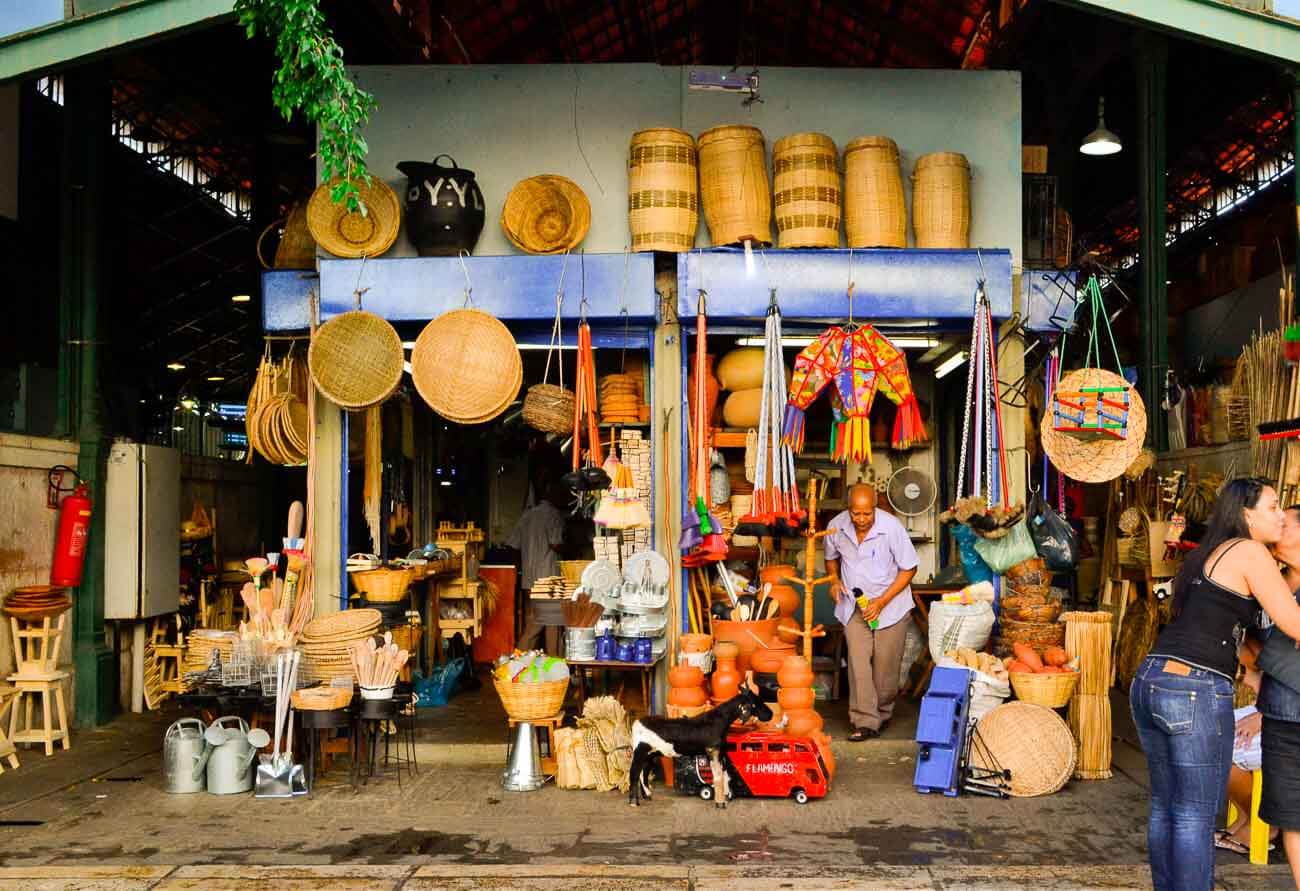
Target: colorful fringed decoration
814, 369
859, 363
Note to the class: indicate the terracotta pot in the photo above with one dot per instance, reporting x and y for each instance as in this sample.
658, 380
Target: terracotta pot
726, 649
711, 388
745, 635
726, 677
789, 599
785, 625
687, 697
685, 675
766, 660
774, 572
794, 698
802, 722
696, 643
795, 672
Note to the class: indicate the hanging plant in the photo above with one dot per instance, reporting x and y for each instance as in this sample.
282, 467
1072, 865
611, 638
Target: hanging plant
311, 79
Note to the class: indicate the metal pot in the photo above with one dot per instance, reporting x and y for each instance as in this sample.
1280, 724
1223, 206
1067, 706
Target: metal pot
230, 764
444, 207
184, 756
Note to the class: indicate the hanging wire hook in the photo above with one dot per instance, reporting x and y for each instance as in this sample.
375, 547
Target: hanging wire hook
851, 285
358, 290
469, 288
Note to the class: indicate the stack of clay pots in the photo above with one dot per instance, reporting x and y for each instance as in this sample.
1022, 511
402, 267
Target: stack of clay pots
765, 663
726, 676
797, 698
686, 694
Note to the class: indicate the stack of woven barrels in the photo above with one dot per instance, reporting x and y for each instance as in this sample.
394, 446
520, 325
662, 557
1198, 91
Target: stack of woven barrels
1029, 610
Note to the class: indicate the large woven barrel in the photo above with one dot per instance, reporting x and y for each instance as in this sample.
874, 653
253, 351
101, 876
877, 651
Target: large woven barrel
733, 185
875, 214
663, 195
941, 201
807, 196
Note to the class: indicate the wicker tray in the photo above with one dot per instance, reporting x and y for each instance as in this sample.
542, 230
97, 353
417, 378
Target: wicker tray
530, 702
1047, 690
466, 366
322, 699
356, 359
346, 233
1032, 742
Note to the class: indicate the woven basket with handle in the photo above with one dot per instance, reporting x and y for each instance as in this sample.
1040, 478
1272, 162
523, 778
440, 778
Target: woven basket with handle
529, 702
383, 585
1049, 690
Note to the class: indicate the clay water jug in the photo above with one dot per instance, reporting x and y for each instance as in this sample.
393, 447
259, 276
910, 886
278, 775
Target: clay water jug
444, 207
726, 677
795, 672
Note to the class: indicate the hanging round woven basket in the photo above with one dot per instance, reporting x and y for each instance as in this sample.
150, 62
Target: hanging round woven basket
349, 233
549, 408
546, 215
1095, 460
356, 359
466, 366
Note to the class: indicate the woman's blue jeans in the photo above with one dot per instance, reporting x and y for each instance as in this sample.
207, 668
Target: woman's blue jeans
1185, 723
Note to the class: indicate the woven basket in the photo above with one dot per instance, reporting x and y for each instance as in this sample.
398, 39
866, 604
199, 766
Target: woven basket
546, 215
733, 185
806, 186
1030, 741
356, 622
663, 195
941, 201
321, 699
346, 233
383, 585
1036, 634
356, 359
296, 249
1026, 575
530, 702
875, 214
1030, 609
1095, 460
466, 365
549, 408
1048, 690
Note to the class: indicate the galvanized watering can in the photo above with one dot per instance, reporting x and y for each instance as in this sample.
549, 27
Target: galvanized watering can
230, 764
185, 756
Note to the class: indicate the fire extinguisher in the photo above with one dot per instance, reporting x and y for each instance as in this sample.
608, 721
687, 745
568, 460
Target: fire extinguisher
70, 547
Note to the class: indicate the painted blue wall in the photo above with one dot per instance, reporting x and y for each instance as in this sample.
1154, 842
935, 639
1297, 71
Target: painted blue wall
510, 122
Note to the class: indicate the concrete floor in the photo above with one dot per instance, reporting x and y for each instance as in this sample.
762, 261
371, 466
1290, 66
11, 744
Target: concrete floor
66, 820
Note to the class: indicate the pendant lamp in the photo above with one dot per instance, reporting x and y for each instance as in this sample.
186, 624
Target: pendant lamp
1101, 141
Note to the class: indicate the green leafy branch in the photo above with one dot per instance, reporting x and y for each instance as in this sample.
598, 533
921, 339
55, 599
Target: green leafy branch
311, 79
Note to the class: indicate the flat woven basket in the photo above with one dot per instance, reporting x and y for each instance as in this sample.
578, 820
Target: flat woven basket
549, 408
346, 233
546, 214
466, 365
1047, 690
356, 623
356, 359
530, 702
383, 585
1095, 460
1031, 741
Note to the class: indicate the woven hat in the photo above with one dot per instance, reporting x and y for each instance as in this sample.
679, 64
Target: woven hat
1029, 740
466, 365
346, 233
546, 215
1095, 460
356, 359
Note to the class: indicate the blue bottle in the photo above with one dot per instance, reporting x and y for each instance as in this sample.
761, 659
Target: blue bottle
605, 647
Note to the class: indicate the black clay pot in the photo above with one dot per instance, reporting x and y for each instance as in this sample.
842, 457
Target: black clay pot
444, 207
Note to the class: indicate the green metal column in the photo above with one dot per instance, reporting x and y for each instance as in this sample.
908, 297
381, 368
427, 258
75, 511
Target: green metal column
1154, 265
85, 153
1295, 172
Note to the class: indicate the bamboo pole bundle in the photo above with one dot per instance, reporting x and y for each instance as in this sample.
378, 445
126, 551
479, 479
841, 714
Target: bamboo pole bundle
1088, 638
1273, 389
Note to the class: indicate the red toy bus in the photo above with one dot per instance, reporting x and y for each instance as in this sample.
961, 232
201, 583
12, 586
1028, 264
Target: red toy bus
761, 764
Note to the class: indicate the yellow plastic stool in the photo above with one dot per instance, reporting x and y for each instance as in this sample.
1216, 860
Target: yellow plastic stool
1258, 828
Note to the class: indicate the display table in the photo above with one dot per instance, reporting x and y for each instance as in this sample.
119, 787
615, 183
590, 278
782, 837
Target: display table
584, 670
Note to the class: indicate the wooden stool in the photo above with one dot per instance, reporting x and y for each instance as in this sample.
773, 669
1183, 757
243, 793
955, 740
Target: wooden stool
36, 644
7, 750
168, 658
45, 685
550, 760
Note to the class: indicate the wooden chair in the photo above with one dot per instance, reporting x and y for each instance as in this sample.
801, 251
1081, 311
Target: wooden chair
7, 750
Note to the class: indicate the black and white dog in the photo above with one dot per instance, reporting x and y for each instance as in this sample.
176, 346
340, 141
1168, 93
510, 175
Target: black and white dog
704, 734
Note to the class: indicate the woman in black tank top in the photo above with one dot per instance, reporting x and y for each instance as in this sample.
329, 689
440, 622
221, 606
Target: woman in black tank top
1182, 694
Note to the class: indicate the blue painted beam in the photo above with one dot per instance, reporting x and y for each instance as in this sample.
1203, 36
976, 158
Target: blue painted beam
812, 284
413, 289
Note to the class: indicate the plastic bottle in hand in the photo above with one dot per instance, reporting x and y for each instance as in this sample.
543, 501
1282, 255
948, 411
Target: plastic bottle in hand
863, 600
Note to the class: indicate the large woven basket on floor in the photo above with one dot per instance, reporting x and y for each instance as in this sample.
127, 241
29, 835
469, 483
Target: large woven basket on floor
1047, 690
549, 408
466, 365
663, 193
530, 702
1030, 741
1095, 460
875, 214
941, 201
546, 215
348, 233
806, 186
356, 359
733, 185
